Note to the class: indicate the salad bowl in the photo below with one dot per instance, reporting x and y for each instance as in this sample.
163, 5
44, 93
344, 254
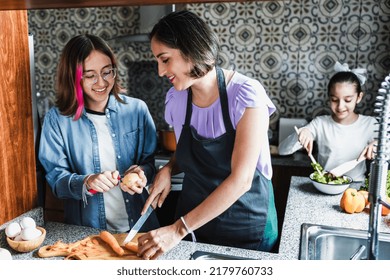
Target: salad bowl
337, 186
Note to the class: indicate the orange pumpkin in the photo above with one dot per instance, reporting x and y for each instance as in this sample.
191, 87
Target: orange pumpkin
385, 211
365, 195
352, 201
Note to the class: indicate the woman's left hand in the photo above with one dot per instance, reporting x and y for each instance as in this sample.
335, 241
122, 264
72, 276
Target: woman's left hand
153, 244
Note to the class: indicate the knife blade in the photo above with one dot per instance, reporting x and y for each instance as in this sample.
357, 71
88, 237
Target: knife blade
345, 167
134, 230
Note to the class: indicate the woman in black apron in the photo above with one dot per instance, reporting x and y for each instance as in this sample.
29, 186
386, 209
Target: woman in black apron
215, 206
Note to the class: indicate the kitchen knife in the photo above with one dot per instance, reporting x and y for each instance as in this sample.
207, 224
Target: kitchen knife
138, 225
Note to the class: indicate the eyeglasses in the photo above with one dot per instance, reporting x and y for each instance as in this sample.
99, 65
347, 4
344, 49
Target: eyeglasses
107, 75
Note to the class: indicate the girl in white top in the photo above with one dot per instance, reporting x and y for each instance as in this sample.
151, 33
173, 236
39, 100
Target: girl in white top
344, 135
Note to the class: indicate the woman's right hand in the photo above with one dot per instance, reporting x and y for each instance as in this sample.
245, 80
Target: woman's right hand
159, 189
102, 182
154, 243
306, 139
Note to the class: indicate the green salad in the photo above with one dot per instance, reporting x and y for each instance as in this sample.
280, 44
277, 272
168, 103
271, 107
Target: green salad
326, 177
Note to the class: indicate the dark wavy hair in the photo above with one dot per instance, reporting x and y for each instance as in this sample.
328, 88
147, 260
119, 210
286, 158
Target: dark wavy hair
345, 77
185, 31
74, 53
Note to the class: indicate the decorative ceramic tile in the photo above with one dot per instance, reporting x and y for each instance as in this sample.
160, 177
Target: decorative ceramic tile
268, 61
220, 11
272, 11
226, 60
377, 54
318, 103
290, 46
147, 85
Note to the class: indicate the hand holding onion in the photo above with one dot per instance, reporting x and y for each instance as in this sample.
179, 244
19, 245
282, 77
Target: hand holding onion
134, 181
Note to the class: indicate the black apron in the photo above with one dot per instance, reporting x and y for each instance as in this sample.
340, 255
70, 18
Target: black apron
206, 163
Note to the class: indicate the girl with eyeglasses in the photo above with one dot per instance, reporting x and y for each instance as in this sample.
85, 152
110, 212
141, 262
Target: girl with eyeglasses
93, 136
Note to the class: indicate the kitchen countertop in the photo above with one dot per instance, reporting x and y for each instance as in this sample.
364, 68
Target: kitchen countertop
305, 205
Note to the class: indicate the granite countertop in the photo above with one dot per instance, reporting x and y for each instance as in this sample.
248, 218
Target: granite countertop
305, 205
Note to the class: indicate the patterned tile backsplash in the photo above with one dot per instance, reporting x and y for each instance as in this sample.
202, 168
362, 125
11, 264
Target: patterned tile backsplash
290, 46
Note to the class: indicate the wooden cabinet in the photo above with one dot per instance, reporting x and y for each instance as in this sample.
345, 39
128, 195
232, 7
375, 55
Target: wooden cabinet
17, 153
281, 182
53, 207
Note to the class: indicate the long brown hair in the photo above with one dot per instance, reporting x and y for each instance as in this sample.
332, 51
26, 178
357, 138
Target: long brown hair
74, 53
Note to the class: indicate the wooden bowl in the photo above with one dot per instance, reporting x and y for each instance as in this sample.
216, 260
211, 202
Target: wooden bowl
27, 246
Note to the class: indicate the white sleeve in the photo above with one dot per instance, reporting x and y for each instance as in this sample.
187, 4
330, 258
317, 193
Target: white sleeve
289, 145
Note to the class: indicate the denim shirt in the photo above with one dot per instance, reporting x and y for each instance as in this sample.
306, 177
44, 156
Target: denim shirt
69, 152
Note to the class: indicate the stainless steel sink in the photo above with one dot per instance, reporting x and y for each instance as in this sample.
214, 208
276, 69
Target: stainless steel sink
202, 255
320, 242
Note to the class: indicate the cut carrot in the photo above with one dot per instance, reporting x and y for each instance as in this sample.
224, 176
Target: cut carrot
132, 246
112, 242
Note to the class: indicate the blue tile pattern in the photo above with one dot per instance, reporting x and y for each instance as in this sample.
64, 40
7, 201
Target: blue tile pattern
290, 46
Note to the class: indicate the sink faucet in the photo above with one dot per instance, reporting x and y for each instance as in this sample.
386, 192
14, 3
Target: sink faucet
377, 183
378, 168
358, 253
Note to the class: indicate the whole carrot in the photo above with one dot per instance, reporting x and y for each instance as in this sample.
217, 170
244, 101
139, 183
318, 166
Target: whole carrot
112, 242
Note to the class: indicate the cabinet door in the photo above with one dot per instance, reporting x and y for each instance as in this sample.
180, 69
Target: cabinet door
281, 180
17, 152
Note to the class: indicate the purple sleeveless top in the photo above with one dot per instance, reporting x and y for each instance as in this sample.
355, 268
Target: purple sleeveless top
243, 92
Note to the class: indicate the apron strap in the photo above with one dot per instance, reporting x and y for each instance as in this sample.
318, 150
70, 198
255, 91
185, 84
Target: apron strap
223, 99
189, 108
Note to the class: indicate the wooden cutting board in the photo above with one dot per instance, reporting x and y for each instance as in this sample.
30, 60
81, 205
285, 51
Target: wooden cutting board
90, 248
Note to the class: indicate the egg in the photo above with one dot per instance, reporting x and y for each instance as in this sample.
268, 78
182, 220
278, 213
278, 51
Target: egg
18, 238
27, 222
30, 233
13, 229
5, 254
